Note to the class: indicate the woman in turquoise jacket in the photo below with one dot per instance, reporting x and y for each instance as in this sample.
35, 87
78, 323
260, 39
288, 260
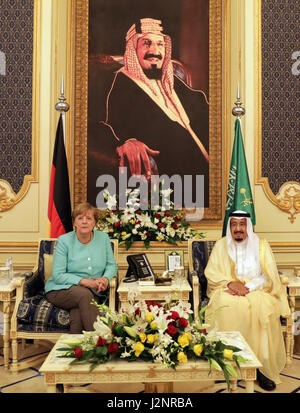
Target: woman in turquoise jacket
83, 265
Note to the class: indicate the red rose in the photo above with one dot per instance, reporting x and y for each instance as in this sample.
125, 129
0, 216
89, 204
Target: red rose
175, 226
101, 341
113, 348
78, 352
176, 218
138, 222
148, 234
182, 322
157, 215
153, 303
167, 214
171, 330
204, 331
174, 316
138, 212
117, 224
160, 225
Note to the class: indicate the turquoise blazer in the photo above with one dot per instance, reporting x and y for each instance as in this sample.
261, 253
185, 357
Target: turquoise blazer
73, 260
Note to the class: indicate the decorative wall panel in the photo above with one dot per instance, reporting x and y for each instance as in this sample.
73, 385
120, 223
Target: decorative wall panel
16, 90
280, 93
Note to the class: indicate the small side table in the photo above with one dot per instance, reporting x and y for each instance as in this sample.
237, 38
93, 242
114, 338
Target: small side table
7, 298
153, 292
293, 293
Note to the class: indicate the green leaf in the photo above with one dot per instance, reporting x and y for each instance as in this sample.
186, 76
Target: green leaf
72, 341
101, 350
231, 370
215, 364
241, 358
130, 331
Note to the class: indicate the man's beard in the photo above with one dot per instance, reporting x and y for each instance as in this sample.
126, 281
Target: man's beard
153, 73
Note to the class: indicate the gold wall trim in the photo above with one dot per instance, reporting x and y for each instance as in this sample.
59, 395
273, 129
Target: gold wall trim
80, 44
18, 244
288, 197
9, 197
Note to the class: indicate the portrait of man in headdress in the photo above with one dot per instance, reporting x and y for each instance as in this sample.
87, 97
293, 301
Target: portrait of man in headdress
150, 119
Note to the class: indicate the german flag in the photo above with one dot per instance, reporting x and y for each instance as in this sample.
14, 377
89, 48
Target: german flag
59, 205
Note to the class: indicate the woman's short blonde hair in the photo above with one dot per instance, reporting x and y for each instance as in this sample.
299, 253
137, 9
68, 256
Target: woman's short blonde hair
84, 207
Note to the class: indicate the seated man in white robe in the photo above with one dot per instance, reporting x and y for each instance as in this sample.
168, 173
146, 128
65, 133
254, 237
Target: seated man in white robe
242, 276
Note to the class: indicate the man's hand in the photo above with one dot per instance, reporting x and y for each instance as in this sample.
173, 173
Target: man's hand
237, 288
137, 151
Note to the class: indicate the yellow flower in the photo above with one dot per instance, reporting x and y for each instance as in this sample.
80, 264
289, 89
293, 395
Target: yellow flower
151, 338
149, 317
111, 230
181, 357
153, 325
138, 348
132, 221
143, 337
198, 348
123, 233
183, 340
228, 354
189, 336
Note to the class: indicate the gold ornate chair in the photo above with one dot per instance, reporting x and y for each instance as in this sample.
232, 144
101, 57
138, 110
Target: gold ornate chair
33, 316
198, 253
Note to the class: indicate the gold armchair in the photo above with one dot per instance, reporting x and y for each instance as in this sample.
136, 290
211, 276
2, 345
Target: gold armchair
198, 253
33, 316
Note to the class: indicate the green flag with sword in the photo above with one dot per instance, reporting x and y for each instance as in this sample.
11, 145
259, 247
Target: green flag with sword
239, 194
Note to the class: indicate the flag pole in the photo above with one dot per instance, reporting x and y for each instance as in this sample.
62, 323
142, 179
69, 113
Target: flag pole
62, 106
238, 110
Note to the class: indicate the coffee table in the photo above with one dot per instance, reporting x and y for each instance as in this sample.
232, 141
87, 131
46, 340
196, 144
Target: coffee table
179, 291
58, 370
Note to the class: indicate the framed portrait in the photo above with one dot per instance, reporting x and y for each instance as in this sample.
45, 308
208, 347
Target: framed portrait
124, 123
173, 259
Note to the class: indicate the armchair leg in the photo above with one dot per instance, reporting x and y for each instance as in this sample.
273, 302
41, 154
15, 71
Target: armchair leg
14, 347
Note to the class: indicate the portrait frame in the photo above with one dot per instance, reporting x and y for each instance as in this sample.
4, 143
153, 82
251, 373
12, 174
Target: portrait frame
170, 254
81, 66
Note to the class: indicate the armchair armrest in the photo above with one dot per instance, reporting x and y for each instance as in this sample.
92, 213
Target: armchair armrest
194, 282
113, 284
284, 279
33, 284
19, 284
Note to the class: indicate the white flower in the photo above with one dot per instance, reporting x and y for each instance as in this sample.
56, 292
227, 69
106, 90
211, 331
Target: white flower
126, 354
102, 329
145, 220
111, 202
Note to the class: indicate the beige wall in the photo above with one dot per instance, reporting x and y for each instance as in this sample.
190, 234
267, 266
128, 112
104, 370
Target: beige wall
21, 227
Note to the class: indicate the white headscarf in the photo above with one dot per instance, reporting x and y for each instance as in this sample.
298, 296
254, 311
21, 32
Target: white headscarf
245, 254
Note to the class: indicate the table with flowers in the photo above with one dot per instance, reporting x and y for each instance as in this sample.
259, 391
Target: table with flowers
150, 343
57, 369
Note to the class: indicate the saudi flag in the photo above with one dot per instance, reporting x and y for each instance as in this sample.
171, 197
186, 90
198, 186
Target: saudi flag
239, 195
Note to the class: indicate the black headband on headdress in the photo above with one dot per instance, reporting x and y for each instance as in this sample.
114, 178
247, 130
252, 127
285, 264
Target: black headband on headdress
240, 214
138, 27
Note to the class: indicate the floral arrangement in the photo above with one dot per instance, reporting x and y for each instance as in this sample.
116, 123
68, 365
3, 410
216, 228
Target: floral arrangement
154, 332
158, 222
